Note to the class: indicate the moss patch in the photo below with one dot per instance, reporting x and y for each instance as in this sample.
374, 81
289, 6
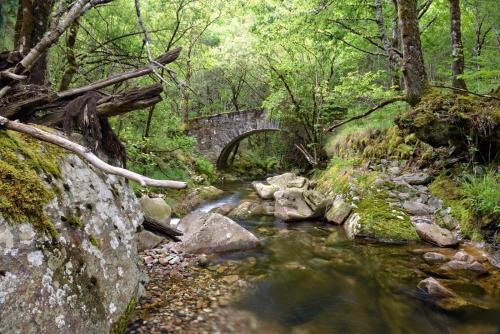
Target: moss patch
120, 325
380, 221
23, 195
446, 189
93, 240
335, 179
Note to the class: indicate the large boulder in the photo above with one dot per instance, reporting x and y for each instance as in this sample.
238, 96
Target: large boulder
316, 201
195, 197
213, 233
148, 240
71, 266
288, 180
374, 219
279, 182
339, 211
434, 234
156, 209
265, 191
291, 206
248, 209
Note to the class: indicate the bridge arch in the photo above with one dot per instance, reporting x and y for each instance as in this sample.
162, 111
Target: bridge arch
230, 147
218, 134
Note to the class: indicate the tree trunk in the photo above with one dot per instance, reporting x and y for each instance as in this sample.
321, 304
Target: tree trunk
148, 122
413, 60
72, 66
35, 19
457, 48
42, 12
388, 47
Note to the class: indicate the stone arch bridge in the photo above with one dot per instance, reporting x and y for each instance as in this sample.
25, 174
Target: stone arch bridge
219, 135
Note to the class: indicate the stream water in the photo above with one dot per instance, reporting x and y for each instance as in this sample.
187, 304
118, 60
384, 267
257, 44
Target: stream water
309, 278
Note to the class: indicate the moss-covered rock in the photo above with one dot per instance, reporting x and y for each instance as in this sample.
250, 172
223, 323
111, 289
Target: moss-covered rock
26, 169
470, 124
82, 275
378, 221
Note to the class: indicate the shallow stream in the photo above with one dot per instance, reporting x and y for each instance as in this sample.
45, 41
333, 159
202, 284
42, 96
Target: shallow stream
309, 278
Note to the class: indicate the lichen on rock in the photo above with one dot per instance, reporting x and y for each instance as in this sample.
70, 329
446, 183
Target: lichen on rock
65, 280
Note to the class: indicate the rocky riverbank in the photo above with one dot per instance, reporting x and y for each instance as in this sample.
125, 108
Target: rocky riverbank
194, 288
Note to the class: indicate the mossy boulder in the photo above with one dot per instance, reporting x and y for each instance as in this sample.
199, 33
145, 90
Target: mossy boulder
469, 124
69, 260
374, 219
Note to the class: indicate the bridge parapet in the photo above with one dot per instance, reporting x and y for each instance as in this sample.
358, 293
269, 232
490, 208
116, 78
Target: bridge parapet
218, 133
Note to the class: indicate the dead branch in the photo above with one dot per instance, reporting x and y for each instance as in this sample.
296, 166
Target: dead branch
85, 154
24, 106
139, 98
307, 155
381, 105
467, 91
162, 60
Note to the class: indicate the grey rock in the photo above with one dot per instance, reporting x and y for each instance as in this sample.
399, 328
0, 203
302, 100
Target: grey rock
291, 206
213, 233
434, 257
441, 295
224, 209
248, 209
148, 240
83, 280
435, 203
455, 267
288, 180
156, 209
463, 256
339, 211
434, 234
316, 201
352, 226
265, 191
395, 170
416, 178
417, 209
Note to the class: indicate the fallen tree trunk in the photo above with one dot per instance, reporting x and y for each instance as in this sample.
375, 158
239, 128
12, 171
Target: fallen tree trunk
87, 155
24, 100
155, 226
138, 98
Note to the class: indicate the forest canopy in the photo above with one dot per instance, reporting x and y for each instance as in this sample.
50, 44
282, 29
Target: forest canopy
309, 63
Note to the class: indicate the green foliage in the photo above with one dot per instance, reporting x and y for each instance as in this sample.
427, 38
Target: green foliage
482, 193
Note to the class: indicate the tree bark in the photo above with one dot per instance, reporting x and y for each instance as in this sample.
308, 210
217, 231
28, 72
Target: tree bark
72, 66
394, 58
413, 61
457, 48
41, 19
85, 154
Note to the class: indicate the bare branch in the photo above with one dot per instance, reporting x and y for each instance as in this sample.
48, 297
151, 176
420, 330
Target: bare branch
383, 104
87, 155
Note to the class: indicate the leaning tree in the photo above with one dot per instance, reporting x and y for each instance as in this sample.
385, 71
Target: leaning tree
26, 97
